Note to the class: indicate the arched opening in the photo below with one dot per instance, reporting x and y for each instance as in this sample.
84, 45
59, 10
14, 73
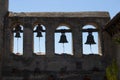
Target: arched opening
18, 39
90, 40
63, 40
39, 39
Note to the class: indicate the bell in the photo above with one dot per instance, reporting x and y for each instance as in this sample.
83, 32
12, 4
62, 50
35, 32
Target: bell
18, 28
17, 35
63, 38
39, 28
39, 34
90, 39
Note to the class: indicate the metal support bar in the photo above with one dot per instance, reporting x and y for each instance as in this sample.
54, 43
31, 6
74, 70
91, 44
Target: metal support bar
89, 30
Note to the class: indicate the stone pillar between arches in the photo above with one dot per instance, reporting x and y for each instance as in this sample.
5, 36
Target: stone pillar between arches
77, 41
27, 40
49, 41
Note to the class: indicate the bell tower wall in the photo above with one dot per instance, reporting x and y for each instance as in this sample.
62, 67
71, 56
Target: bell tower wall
3, 12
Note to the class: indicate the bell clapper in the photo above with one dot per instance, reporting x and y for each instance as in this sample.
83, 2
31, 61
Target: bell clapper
17, 44
91, 49
63, 48
39, 44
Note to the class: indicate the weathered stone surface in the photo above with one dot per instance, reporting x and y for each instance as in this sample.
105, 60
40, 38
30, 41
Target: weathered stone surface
59, 14
68, 67
78, 63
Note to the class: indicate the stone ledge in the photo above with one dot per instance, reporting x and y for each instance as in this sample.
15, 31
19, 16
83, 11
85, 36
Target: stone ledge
59, 14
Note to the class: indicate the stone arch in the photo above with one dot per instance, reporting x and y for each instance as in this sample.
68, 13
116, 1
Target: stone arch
86, 48
95, 24
68, 37
17, 42
14, 23
64, 24
88, 26
38, 41
38, 22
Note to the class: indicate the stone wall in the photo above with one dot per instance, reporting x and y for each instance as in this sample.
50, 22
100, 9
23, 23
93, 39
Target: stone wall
75, 22
3, 7
52, 62
3, 12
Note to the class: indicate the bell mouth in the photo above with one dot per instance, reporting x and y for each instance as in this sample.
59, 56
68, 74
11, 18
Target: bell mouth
63, 38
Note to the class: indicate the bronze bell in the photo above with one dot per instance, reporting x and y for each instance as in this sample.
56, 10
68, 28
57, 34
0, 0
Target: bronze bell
39, 28
63, 38
18, 28
90, 39
17, 35
39, 34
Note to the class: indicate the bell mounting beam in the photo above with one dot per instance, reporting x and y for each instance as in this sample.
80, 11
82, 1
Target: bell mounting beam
41, 31
63, 30
89, 30
59, 31
69, 30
